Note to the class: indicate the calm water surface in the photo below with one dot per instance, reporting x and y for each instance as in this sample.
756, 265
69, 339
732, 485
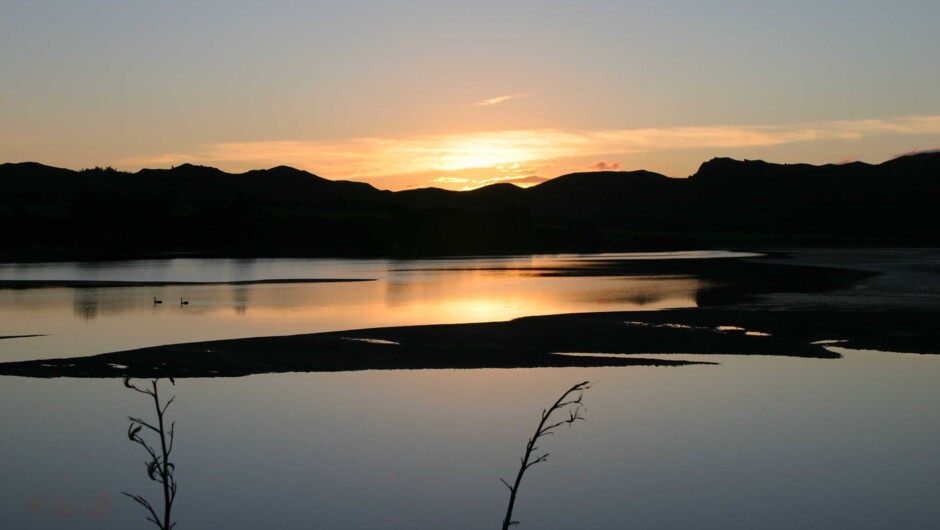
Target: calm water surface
85, 321
755, 442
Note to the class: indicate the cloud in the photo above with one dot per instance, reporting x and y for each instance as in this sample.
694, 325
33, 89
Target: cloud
602, 165
360, 158
523, 181
450, 180
528, 179
522, 175
500, 99
520, 169
516, 173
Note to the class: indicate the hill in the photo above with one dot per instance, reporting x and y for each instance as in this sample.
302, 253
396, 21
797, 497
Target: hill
54, 212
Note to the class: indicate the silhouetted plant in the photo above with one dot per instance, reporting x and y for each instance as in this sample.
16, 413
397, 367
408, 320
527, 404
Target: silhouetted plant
574, 408
159, 467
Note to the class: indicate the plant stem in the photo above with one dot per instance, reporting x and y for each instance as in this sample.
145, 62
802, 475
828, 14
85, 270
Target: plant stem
164, 469
540, 431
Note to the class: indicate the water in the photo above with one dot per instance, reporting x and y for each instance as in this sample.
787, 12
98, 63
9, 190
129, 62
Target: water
85, 321
754, 442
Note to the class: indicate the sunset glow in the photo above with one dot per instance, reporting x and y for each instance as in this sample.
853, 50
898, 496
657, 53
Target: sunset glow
412, 94
367, 248
472, 159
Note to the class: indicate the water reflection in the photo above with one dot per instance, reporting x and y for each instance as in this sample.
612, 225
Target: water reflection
240, 298
757, 442
84, 321
86, 303
91, 303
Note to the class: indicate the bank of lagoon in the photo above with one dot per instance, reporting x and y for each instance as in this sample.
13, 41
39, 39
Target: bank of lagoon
363, 412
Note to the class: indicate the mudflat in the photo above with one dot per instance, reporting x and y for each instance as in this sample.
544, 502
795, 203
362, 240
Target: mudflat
791, 303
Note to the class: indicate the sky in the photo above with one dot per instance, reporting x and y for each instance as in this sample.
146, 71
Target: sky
405, 94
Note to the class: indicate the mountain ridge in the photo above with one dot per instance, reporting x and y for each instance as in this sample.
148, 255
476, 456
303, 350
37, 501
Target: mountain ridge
724, 165
288, 211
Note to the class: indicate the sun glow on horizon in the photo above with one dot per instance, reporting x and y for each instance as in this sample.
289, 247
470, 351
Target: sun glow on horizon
481, 151
413, 94
474, 159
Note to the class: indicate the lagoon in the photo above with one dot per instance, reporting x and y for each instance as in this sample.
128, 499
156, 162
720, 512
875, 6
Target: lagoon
76, 321
753, 442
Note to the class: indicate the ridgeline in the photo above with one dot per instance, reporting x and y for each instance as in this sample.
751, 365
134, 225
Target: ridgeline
54, 213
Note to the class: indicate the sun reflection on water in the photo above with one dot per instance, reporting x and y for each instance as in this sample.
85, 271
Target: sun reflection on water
90, 320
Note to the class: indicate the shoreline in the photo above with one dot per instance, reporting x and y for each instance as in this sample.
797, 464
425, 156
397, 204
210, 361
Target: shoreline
46, 284
770, 248
780, 303
525, 342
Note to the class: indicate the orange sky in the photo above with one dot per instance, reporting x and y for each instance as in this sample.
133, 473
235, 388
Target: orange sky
527, 157
456, 94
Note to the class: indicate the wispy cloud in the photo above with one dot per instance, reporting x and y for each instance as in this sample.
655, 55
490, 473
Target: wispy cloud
523, 181
451, 180
520, 174
359, 158
500, 99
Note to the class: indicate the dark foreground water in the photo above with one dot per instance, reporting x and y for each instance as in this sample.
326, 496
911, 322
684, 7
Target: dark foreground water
754, 442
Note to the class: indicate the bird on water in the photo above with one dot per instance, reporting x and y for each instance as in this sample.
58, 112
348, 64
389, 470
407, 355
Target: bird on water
184, 302
155, 301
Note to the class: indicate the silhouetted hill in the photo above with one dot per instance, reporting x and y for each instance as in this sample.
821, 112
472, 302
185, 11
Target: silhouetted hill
916, 164
486, 198
830, 202
625, 197
286, 211
188, 209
